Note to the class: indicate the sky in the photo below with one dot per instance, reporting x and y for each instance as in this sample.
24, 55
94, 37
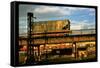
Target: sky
80, 18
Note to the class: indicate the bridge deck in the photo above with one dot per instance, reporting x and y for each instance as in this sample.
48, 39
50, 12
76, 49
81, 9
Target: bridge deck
45, 39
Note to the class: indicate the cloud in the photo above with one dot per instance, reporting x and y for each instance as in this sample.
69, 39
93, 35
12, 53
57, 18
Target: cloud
92, 12
24, 9
57, 10
44, 13
77, 25
46, 9
51, 11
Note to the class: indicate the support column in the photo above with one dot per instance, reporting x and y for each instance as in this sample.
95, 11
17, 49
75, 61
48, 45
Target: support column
75, 50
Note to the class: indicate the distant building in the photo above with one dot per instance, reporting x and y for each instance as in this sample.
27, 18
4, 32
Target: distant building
53, 25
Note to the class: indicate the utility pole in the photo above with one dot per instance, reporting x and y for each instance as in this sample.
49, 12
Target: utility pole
30, 46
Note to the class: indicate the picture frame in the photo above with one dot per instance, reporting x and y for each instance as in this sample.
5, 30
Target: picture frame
51, 33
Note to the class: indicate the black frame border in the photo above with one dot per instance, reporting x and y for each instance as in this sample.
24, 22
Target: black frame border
15, 32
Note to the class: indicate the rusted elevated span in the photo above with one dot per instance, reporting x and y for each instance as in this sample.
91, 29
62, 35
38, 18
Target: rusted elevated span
52, 38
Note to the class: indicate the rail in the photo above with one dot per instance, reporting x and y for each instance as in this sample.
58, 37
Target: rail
63, 32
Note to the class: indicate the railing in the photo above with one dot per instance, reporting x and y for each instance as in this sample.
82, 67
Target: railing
83, 31
70, 32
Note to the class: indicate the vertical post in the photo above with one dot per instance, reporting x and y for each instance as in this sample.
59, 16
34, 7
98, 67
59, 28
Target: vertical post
68, 25
38, 52
45, 43
30, 47
75, 49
